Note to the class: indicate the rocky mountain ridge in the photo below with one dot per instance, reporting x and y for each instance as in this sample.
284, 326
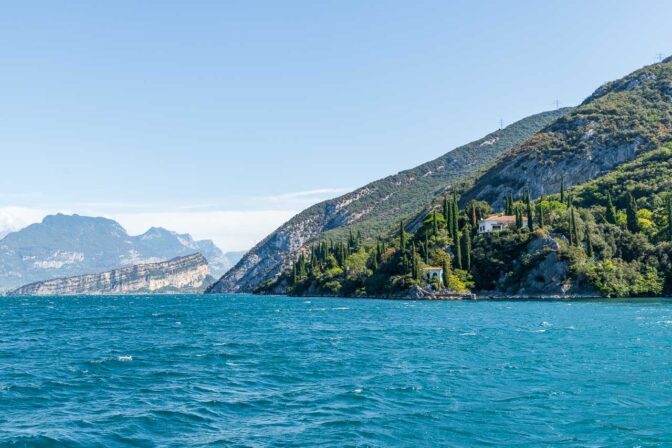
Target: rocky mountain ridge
619, 121
181, 274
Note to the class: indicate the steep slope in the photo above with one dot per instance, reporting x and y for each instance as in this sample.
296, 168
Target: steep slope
64, 246
620, 120
182, 274
376, 206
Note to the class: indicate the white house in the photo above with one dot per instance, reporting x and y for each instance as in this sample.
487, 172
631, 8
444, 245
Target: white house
431, 273
496, 223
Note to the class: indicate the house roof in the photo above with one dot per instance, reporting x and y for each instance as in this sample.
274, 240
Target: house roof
506, 219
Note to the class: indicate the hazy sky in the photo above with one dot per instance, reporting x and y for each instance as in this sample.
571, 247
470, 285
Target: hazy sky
222, 119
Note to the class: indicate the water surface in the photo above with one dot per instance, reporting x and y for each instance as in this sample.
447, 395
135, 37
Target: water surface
272, 371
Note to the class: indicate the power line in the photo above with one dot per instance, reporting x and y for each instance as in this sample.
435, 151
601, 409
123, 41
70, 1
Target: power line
557, 104
501, 124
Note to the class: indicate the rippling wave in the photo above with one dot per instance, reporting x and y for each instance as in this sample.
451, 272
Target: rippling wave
271, 371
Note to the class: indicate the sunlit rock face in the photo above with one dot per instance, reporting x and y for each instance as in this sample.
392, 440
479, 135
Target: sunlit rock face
182, 274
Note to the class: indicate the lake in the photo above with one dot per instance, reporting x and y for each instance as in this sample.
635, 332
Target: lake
273, 371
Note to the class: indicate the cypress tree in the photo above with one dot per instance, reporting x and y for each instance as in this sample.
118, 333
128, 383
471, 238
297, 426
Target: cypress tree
426, 250
446, 272
402, 237
302, 266
540, 215
435, 224
474, 218
445, 209
458, 250
669, 218
611, 210
562, 189
589, 244
519, 218
631, 212
575, 230
571, 227
467, 248
530, 219
449, 218
456, 214
414, 262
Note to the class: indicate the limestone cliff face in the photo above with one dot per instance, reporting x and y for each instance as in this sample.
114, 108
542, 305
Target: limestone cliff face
376, 207
181, 274
614, 125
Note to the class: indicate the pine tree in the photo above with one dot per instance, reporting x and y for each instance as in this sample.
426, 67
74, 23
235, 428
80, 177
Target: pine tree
611, 210
562, 189
530, 219
631, 212
589, 244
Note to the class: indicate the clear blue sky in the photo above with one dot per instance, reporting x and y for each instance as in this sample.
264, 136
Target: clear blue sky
153, 110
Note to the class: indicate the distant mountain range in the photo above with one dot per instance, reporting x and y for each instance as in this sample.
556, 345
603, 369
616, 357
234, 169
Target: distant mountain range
376, 207
71, 245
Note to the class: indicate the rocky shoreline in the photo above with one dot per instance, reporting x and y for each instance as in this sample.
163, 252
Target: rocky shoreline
448, 296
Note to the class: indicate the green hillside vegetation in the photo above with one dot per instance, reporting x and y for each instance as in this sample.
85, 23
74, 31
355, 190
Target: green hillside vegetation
613, 235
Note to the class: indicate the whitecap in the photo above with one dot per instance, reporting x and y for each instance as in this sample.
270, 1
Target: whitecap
470, 333
341, 308
539, 331
125, 358
357, 391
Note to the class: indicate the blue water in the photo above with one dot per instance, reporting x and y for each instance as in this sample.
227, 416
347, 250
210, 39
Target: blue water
253, 371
